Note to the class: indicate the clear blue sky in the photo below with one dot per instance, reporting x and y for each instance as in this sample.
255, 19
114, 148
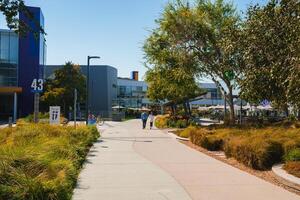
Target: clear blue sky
112, 29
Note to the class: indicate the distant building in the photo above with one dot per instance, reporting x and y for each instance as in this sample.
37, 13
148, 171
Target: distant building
213, 96
132, 93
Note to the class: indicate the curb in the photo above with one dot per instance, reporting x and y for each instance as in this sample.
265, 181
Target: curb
177, 137
279, 171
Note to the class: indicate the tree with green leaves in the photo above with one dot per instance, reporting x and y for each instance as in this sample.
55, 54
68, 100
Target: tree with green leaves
271, 53
11, 9
200, 39
60, 90
167, 84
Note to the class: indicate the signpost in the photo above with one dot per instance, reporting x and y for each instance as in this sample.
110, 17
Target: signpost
54, 115
37, 87
75, 106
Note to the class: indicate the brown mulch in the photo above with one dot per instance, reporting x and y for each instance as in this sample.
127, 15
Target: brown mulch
268, 176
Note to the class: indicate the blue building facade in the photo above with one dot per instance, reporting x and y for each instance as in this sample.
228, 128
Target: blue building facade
32, 56
22, 59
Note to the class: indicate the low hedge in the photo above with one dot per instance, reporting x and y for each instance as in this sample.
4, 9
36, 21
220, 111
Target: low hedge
258, 148
42, 161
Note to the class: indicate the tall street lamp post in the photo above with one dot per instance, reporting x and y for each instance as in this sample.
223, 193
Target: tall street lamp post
87, 109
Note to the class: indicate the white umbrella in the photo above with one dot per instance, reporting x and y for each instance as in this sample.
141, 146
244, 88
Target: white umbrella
145, 109
217, 107
267, 107
133, 109
203, 108
118, 107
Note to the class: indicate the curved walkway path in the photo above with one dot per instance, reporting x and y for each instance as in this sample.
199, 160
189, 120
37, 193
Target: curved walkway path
133, 164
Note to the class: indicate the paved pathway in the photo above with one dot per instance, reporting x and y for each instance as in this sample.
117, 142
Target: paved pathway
135, 164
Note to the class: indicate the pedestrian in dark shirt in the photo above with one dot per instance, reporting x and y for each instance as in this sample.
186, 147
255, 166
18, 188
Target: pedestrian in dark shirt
144, 117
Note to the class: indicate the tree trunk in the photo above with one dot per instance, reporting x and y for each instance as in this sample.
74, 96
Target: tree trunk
185, 108
189, 108
172, 109
231, 106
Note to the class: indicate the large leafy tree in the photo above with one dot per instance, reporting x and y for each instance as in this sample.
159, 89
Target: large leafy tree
60, 90
168, 84
271, 51
200, 39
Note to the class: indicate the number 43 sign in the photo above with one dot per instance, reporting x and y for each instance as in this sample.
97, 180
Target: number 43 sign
37, 85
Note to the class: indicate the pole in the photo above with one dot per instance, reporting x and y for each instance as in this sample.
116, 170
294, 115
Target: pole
225, 106
241, 112
15, 108
75, 106
87, 109
36, 107
87, 90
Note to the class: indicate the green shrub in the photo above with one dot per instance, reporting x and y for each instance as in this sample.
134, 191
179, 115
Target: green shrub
181, 123
293, 155
187, 132
39, 161
166, 121
171, 123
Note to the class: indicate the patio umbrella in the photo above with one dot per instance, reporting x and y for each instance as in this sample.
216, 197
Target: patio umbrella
145, 109
118, 107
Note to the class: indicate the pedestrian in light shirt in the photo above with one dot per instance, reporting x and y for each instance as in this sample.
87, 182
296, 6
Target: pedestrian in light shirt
151, 118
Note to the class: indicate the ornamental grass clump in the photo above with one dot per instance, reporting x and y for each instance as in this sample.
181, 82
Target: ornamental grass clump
256, 153
258, 148
42, 161
207, 139
293, 167
161, 121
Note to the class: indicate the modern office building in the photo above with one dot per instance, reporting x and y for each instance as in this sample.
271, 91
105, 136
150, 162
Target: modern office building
132, 93
213, 96
102, 87
21, 60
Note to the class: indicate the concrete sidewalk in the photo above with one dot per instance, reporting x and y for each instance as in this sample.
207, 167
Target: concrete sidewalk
114, 171
132, 163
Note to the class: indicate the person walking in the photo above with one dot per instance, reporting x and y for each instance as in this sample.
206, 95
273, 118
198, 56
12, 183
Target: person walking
144, 117
151, 118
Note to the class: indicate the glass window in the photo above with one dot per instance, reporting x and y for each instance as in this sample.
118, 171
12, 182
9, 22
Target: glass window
13, 48
139, 88
4, 47
8, 75
121, 91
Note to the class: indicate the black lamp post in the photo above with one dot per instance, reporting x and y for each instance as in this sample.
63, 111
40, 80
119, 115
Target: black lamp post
87, 109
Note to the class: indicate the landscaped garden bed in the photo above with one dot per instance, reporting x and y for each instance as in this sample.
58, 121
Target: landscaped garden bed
39, 161
167, 121
258, 148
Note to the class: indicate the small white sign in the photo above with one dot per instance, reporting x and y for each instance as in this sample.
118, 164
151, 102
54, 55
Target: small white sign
54, 114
